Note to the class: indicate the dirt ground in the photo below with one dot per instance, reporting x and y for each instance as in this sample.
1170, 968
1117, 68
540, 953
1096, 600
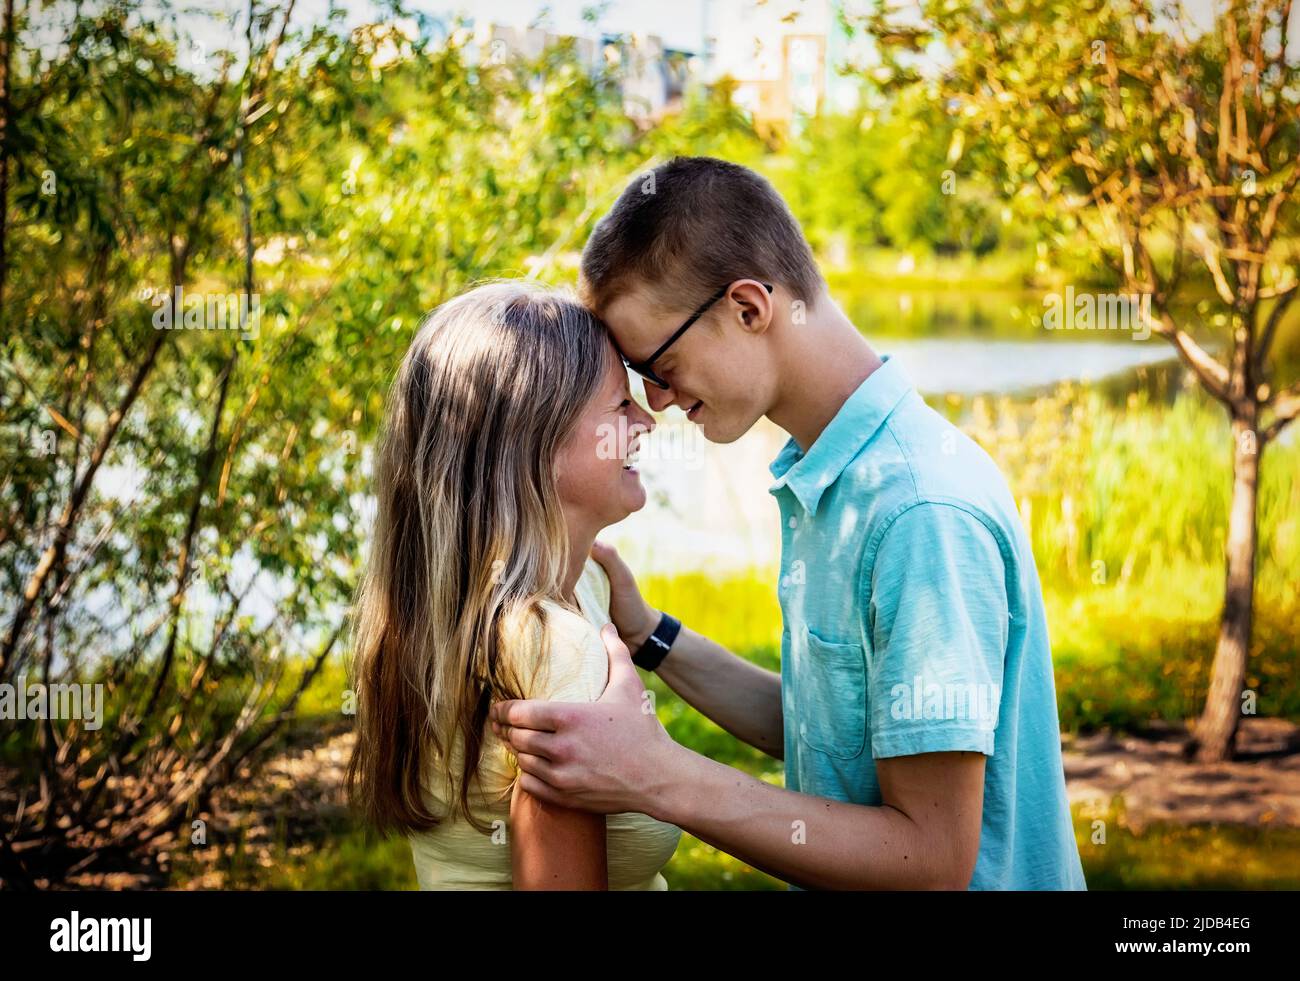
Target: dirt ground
1157, 784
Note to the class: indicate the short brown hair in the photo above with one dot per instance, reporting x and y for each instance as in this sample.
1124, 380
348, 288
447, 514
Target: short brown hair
692, 225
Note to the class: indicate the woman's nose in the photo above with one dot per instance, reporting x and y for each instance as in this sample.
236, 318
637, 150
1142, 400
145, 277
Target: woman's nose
642, 419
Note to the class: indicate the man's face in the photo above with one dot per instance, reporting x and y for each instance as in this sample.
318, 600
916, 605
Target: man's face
719, 373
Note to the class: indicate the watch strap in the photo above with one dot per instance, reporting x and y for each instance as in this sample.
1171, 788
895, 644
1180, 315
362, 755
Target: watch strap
657, 645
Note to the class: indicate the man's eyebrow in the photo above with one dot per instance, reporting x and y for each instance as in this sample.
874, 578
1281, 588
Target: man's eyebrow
653, 351
621, 353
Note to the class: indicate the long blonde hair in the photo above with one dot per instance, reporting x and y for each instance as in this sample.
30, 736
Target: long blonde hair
469, 537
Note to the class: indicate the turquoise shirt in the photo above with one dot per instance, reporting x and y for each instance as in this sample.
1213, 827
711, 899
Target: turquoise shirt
914, 623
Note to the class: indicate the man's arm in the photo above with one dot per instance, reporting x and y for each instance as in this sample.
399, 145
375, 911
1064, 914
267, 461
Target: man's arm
925, 834
736, 694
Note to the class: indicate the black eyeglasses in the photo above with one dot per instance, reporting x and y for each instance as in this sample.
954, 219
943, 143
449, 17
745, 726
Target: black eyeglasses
646, 368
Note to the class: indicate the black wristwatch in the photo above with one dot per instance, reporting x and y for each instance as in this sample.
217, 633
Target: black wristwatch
657, 645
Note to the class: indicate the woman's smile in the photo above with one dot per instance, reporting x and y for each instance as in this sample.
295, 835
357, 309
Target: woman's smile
630, 460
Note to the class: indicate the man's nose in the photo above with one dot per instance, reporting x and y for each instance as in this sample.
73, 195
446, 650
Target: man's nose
657, 398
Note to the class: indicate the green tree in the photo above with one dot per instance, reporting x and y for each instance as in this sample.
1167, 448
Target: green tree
1174, 147
182, 511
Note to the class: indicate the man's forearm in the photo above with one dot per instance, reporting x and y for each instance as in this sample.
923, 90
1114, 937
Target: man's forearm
812, 842
738, 695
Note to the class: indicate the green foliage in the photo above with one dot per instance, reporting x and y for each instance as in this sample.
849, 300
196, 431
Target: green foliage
192, 536
888, 176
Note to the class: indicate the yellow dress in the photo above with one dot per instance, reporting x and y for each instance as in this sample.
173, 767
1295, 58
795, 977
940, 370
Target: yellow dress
456, 855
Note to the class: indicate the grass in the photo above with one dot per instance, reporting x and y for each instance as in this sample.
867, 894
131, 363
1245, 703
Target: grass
348, 858
1126, 508
1166, 856
1130, 655
868, 269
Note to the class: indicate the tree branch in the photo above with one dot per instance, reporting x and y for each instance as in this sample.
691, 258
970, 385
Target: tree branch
1285, 406
72, 511
1211, 373
1284, 301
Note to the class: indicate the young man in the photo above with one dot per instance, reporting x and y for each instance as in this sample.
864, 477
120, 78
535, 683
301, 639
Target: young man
916, 709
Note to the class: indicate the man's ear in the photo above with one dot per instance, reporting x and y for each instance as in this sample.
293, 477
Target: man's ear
753, 305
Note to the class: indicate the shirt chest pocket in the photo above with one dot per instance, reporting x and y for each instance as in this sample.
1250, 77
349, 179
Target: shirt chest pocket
832, 695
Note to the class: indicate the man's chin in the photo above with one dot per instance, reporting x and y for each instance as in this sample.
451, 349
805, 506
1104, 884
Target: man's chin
722, 433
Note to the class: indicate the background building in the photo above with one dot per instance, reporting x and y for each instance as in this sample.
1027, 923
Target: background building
783, 55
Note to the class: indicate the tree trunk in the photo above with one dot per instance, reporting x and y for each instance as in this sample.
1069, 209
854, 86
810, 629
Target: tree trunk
6, 124
1217, 729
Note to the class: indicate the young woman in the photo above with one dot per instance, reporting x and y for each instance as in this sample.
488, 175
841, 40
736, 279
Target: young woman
507, 446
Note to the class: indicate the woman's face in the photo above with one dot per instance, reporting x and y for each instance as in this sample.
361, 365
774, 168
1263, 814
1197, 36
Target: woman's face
598, 481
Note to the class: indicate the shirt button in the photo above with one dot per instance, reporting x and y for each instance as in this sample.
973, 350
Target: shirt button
793, 522
803, 728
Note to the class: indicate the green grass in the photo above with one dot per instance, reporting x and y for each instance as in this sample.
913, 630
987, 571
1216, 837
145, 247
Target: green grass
870, 269
1166, 856
1128, 655
702, 867
348, 858
1126, 508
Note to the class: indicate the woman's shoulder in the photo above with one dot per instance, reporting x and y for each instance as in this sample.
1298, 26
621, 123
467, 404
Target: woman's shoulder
595, 584
570, 664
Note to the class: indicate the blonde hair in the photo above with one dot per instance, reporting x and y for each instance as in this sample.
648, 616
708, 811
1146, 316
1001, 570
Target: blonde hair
469, 536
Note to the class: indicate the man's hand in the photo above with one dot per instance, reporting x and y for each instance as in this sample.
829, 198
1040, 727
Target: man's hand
633, 616
609, 756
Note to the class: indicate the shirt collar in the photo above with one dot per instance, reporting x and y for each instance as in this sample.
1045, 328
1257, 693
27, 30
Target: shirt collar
809, 474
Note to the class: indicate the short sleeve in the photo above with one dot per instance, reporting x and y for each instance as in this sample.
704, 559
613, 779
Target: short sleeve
573, 667
938, 623
566, 662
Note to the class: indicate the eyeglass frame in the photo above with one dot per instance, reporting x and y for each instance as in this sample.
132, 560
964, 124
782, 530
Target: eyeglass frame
645, 368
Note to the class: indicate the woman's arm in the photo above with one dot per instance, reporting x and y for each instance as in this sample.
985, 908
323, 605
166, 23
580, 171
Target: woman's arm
555, 847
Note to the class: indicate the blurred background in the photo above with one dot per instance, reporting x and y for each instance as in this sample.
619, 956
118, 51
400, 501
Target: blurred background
222, 223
